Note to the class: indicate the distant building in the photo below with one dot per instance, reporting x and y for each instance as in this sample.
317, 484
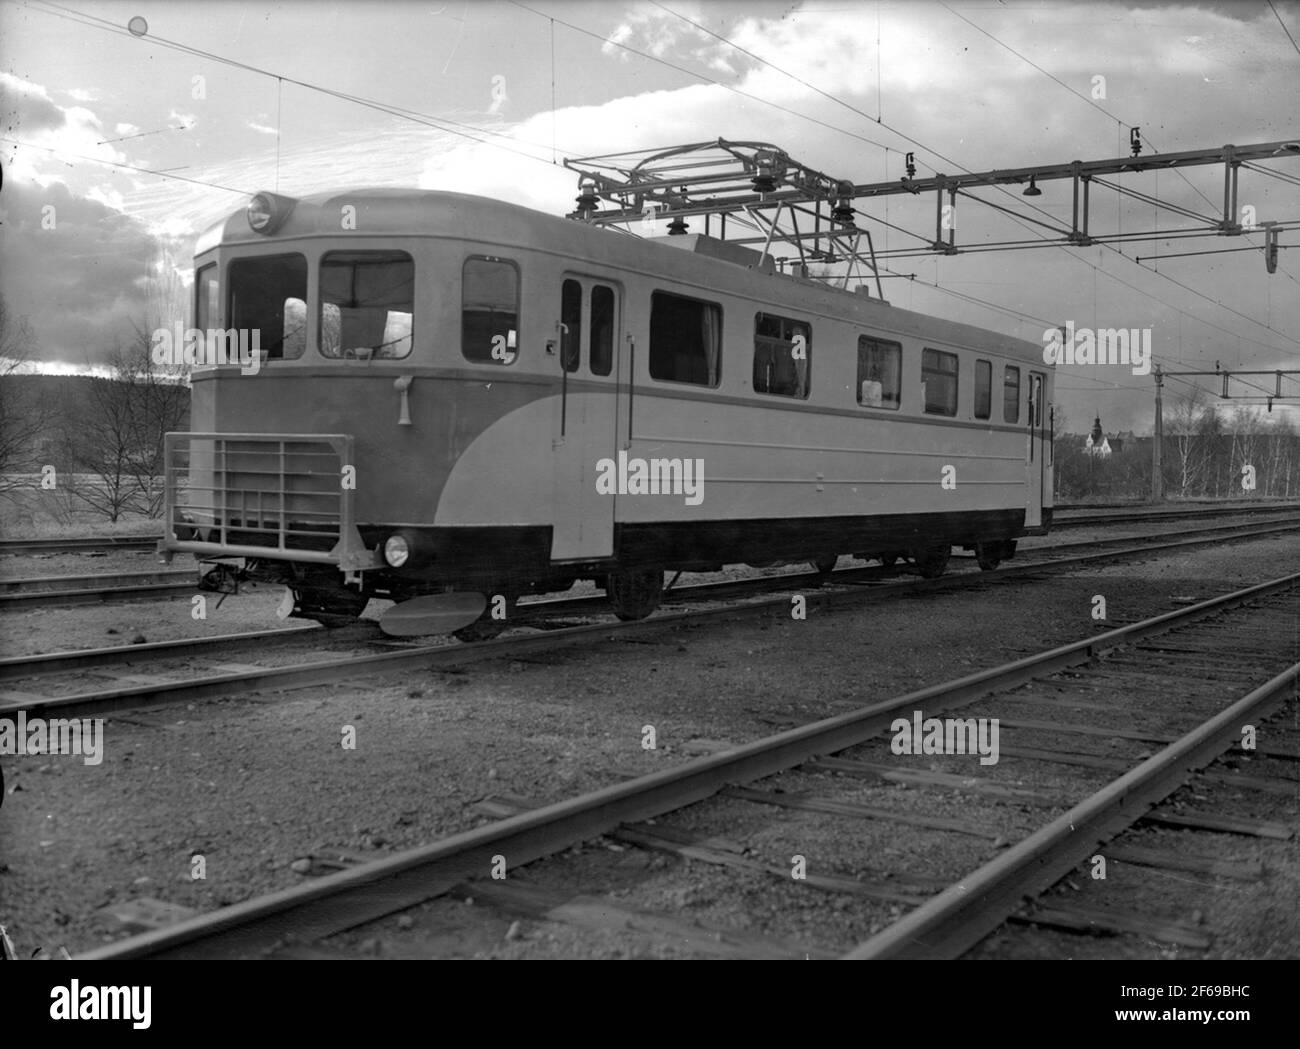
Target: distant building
1097, 443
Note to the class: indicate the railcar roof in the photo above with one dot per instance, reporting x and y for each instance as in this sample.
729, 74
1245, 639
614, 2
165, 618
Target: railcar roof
421, 212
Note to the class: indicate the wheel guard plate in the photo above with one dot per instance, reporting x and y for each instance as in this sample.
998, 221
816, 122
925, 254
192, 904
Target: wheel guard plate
433, 614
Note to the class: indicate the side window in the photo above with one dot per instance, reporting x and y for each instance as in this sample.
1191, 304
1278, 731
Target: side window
880, 368
983, 389
1011, 395
602, 330
685, 340
489, 319
268, 294
571, 318
939, 381
205, 297
367, 304
782, 356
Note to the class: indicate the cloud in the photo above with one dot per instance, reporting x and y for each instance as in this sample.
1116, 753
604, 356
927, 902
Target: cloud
27, 107
37, 121
658, 32
76, 267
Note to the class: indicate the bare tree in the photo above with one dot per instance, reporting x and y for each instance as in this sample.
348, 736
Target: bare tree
119, 443
24, 420
1184, 421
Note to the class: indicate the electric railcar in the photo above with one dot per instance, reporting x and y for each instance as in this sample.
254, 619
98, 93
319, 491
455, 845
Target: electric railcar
454, 401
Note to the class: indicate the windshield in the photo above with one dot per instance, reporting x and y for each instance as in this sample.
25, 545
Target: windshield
367, 304
269, 295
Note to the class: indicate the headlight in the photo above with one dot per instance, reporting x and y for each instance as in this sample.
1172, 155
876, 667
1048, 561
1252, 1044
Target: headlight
396, 551
267, 212
259, 213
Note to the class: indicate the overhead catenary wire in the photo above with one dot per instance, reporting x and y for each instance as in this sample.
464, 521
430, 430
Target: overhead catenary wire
1020, 219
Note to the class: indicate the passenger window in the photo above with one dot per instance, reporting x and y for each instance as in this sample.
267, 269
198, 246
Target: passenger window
983, 389
602, 330
571, 319
880, 367
939, 382
489, 330
367, 304
782, 356
685, 340
1011, 395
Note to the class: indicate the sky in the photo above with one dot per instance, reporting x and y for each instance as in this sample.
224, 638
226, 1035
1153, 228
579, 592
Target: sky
215, 101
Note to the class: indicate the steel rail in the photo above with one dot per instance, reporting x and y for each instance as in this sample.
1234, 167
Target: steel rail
432, 656
14, 667
952, 922
1093, 520
336, 902
76, 544
110, 594
101, 580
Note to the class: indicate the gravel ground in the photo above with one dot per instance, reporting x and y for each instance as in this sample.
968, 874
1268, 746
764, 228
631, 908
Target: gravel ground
257, 783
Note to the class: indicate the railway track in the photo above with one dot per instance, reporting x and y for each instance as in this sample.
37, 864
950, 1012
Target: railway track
1100, 737
70, 591
1092, 520
78, 544
1074, 516
100, 588
34, 686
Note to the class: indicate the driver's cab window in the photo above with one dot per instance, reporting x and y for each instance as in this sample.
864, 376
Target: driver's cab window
489, 319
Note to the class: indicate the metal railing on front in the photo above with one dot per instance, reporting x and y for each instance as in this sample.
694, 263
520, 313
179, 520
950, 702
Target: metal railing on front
289, 496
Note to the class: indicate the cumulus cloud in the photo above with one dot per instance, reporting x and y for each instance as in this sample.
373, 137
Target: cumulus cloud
45, 126
77, 267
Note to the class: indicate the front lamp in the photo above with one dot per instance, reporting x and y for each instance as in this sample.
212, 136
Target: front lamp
397, 551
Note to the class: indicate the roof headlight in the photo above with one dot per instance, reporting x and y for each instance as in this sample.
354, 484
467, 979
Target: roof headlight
267, 211
260, 213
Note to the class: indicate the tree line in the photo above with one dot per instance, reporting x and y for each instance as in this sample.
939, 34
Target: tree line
1204, 452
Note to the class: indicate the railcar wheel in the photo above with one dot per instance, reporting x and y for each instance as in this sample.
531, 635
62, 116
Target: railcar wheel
932, 561
332, 608
990, 555
826, 565
635, 592
486, 626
